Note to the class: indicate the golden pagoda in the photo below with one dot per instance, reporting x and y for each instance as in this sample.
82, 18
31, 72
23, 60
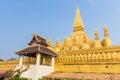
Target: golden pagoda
76, 55
80, 53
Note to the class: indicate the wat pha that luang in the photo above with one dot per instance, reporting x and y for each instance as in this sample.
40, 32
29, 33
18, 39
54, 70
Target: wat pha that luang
78, 53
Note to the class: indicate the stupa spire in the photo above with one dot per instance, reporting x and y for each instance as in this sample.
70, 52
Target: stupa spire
107, 40
105, 31
57, 42
49, 42
78, 24
97, 42
96, 34
65, 41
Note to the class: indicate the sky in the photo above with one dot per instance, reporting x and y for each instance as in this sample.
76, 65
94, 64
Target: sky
20, 19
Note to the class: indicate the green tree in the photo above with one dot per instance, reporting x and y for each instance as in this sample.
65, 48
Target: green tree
1, 60
11, 59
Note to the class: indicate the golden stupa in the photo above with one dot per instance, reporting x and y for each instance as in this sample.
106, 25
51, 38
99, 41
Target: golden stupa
80, 53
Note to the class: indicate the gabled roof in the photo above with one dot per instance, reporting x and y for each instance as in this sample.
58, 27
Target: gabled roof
40, 46
34, 49
39, 39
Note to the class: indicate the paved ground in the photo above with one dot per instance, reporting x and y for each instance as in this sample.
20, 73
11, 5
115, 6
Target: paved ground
83, 76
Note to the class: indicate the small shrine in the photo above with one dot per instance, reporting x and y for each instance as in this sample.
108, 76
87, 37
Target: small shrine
38, 49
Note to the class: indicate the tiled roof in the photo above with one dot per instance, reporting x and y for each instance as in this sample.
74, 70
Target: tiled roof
34, 49
39, 39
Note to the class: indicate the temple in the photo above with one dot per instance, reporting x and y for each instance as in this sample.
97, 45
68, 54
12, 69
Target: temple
80, 53
76, 54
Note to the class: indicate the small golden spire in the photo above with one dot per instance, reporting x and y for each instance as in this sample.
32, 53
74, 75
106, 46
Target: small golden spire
107, 39
97, 42
96, 34
49, 42
105, 31
57, 43
65, 41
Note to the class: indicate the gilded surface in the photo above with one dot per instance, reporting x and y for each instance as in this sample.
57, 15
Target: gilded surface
79, 53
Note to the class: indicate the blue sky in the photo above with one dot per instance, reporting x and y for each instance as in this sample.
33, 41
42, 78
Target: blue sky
20, 19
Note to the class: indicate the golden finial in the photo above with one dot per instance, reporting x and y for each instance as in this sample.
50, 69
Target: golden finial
49, 42
65, 41
57, 42
105, 31
107, 38
96, 34
35, 34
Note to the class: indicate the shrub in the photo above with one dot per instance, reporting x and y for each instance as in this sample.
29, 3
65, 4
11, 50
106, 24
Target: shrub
7, 74
17, 78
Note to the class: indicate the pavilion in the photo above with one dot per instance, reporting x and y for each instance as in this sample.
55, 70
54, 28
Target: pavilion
38, 49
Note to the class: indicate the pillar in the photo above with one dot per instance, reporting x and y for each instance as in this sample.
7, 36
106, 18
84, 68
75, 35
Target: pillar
20, 59
53, 61
38, 58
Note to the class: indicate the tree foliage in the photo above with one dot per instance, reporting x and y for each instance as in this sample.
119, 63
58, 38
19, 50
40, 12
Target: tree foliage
1, 60
11, 59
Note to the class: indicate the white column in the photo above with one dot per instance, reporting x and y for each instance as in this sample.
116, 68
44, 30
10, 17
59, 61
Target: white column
20, 59
53, 61
38, 58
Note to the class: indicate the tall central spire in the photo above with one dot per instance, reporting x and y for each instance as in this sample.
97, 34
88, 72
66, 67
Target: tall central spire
78, 24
